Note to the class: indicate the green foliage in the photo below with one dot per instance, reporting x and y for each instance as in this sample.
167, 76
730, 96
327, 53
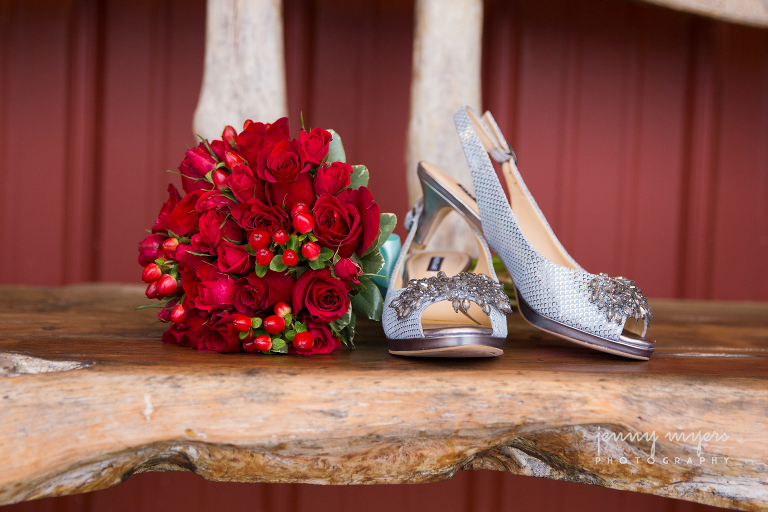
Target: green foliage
360, 176
335, 149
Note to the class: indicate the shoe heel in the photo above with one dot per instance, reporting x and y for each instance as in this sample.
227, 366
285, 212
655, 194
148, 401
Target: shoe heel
435, 208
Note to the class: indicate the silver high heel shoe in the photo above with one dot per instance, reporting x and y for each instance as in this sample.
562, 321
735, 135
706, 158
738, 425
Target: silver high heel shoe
554, 293
434, 307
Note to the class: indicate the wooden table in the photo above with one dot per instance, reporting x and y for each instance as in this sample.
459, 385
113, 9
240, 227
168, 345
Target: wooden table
89, 396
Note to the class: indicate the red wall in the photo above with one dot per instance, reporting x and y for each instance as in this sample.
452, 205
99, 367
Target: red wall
642, 132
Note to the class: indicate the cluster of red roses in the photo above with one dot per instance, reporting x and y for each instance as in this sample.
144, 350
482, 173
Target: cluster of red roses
273, 244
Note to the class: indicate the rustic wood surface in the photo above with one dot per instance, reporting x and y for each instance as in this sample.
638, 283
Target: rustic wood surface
89, 396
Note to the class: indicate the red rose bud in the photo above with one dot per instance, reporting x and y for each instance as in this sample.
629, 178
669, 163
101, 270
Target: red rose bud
310, 250
303, 341
229, 135
259, 239
170, 245
303, 222
282, 309
273, 324
290, 258
264, 257
299, 208
280, 237
178, 314
219, 179
166, 285
151, 273
232, 159
152, 290
242, 323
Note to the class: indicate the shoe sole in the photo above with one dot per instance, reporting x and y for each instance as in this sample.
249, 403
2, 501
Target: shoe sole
450, 346
576, 336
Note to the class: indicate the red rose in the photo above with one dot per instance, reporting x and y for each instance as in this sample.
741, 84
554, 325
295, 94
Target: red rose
254, 295
285, 195
325, 341
332, 178
178, 335
245, 185
218, 336
348, 271
216, 226
197, 163
370, 215
322, 295
161, 224
256, 215
189, 283
337, 225
219, 148
282, 162
183, 217
315, 144
183, 256
234, 258
213, 200
229, 135
149, 249
256, 135
214, 289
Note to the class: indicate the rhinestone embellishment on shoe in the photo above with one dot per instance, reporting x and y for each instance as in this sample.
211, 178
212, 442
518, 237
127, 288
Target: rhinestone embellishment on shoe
460, 289
619, 298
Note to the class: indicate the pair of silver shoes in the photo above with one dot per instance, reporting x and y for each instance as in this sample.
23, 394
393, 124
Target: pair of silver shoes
434, 307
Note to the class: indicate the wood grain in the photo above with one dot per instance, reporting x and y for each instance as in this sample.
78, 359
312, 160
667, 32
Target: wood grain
112, 401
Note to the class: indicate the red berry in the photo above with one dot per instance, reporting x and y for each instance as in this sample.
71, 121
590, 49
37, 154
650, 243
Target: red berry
282, 309
242, 323
152, 290
170, 244
151, 273
303, 341
232, 159
259, 239
299, 208
178, 314
264, 257
290, 258
166, 285
263, 342
310, 250
249, 345
280, 237
230, 135
219, 179
303, 222
273, 324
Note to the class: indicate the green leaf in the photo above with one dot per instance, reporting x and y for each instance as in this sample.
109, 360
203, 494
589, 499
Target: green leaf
289, 335
349, 330
145, 306
340, 323
386, 226
300, 327
277, 263
373, 263
210, 150
288, 319
336, 149
243, 335
283, 349
261, 271
316, 264
325, 254
369, 302
293, 243
255, 322
277, 343
359, 177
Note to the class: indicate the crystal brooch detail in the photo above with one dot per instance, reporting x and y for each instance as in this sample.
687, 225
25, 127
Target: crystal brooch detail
460, 289
618, 297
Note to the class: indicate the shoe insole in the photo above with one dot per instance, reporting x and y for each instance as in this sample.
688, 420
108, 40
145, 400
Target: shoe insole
441, 315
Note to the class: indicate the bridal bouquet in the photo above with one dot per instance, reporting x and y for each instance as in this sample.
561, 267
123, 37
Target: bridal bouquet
272, 247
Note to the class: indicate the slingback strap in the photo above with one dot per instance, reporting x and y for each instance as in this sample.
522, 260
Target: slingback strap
503, 152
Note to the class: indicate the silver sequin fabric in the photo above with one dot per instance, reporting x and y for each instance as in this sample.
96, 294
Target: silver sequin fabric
554, 291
